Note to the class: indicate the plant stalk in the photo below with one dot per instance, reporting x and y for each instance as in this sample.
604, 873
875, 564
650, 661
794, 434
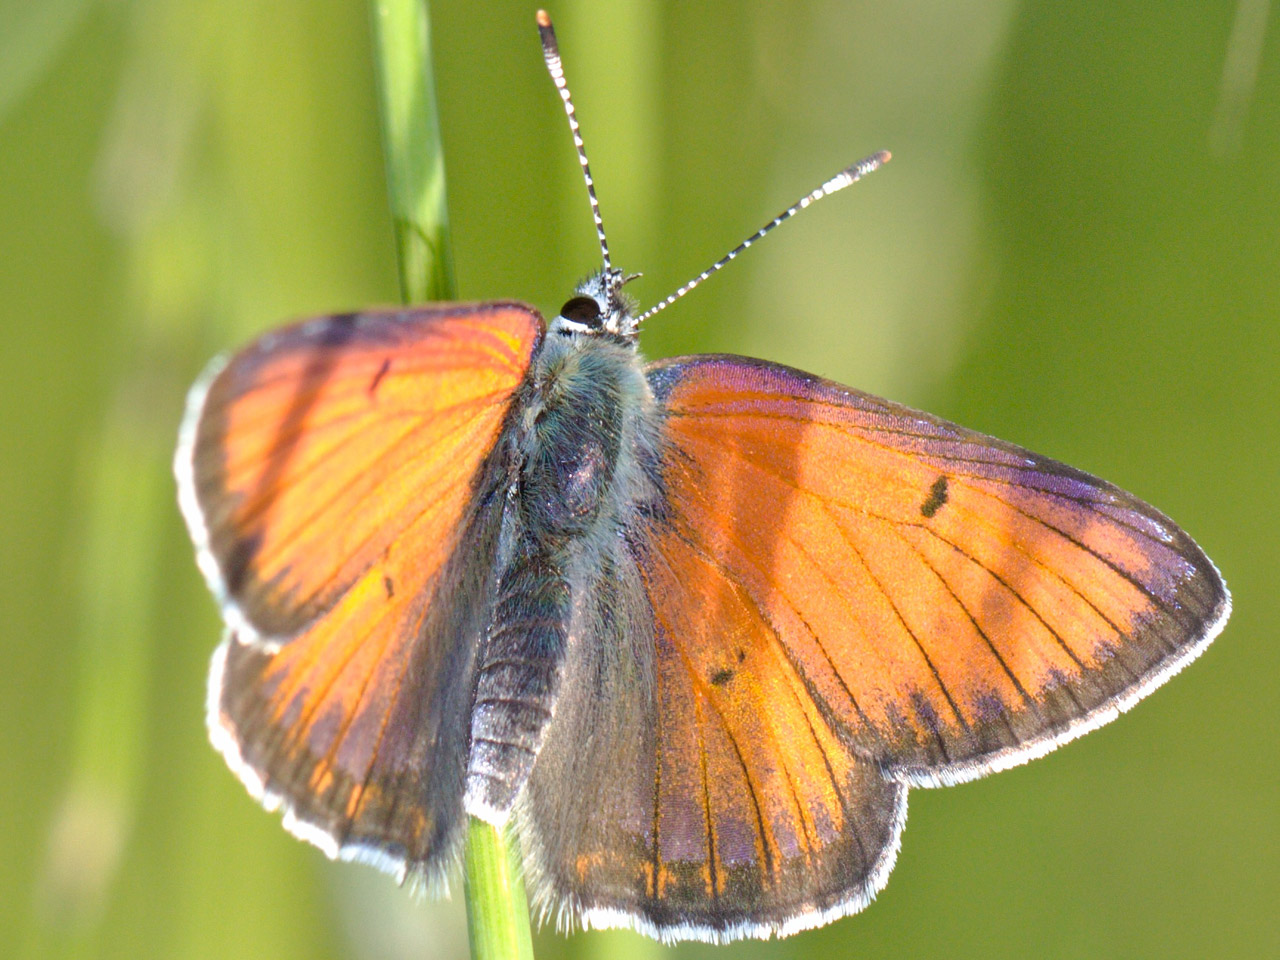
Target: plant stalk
414, 153
497, 909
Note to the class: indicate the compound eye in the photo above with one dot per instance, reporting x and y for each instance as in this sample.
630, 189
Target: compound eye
582, 310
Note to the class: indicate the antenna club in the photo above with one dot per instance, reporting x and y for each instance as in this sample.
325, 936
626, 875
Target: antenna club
884, 156
544, 19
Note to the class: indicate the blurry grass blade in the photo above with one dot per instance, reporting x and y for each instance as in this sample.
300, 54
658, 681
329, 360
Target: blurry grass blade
497, 910
1240, 69
128, 506
415, 157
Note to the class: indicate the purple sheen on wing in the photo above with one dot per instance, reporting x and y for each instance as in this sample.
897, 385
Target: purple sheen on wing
735, 841
1163, 570
1070, 486
989, 706
326, 728
1139, 521
682, 828
827, 830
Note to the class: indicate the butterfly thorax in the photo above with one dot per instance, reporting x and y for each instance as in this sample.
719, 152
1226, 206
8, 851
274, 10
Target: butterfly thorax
587, 393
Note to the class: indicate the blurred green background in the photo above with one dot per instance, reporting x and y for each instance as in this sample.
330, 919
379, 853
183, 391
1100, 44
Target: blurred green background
1077, 247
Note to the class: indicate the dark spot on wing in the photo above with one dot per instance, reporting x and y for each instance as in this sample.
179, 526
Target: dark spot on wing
925, 712
721, 677
741, 656
937, 497
377, 377
990, 707
390, 586
239, 559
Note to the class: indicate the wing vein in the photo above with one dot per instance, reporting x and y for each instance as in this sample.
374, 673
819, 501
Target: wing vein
1017, 684
746, 772
713, 892
705, 552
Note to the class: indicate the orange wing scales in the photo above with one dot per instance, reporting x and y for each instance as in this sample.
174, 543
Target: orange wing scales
329, 474
941, 595
763, 820
765, 761
313, 448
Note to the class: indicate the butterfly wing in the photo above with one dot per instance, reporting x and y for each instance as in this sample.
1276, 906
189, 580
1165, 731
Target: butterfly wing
313, 449
709, 798
842, 598
342, 479
955, 604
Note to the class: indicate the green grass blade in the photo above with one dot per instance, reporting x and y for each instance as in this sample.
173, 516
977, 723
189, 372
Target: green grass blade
497, 910
414, 154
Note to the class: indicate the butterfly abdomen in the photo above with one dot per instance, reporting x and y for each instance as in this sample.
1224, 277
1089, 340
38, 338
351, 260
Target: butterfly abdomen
518, 678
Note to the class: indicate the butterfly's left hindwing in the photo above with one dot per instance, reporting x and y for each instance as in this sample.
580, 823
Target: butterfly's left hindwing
345, 481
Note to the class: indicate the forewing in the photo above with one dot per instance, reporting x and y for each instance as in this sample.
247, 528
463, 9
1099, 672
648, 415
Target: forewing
950, 603
344, 479
309, 454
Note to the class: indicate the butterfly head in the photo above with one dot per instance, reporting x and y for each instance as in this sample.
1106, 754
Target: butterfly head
598, 306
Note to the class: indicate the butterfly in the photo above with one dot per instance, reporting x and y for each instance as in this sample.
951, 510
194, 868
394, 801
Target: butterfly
693, 627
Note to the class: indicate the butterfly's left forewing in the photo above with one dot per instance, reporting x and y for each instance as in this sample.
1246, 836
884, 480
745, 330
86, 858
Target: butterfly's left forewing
955, 604
307, 455
343, 479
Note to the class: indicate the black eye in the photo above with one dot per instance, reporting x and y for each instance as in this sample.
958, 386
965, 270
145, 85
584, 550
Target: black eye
582, 310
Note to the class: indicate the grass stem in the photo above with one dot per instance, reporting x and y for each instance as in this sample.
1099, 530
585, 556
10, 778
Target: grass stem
497, 910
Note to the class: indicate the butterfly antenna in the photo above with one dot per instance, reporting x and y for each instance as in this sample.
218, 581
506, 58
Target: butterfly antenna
849, 175
551, 54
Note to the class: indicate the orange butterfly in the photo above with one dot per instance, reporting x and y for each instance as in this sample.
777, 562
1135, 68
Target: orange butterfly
696, 625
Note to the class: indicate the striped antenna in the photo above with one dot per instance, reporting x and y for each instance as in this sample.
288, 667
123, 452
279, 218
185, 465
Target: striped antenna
847, 176
551, 54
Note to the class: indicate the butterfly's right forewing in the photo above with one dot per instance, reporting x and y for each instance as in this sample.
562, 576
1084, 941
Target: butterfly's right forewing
954, 603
